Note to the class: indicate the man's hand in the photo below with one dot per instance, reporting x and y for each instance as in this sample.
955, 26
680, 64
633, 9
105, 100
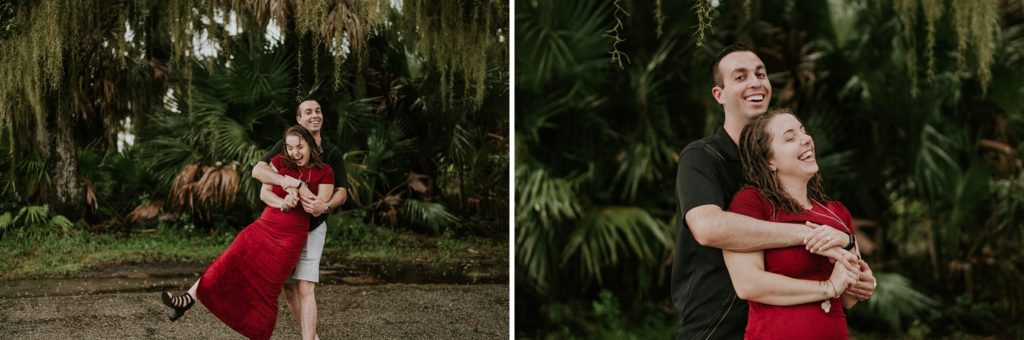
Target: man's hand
313, 205
823, 237
865, 285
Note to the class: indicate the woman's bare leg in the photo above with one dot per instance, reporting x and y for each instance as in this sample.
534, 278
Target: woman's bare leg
192, 290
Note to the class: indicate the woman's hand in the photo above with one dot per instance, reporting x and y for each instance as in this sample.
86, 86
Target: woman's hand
836, 254
844, 275
289, 201
824, 237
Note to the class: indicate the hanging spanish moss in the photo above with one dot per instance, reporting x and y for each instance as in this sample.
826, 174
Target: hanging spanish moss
932, 13
748, 10
616, 34
458, 37
659, 17
975, 24
342, 27
704, 12
907, 11
984, 28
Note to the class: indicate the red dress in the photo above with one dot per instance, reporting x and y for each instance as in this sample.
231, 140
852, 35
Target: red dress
806, 321
241, 287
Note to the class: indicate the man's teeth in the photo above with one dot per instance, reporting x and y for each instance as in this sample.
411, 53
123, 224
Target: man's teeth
757, 98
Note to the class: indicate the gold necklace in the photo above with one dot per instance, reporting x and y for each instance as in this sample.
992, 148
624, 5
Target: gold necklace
826, 305
309, 176
834, 217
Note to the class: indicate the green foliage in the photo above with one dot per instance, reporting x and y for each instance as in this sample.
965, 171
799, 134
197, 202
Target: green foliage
459, 38
896, 300
201, 87
916, 118
604, 318
32, 224
606, 232
433, 215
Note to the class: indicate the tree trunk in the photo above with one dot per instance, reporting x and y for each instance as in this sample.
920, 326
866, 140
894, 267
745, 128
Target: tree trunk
67, 198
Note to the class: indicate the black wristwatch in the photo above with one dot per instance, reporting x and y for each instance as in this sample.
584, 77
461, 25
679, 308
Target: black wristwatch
853, 241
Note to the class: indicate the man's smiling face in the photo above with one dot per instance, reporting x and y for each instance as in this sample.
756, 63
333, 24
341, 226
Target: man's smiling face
742, 85
310, 116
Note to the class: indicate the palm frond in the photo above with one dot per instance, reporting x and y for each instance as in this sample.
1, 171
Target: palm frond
642, 162
256, 74
460, 145
431, 214
561, 39
895, 299
6, 221
34, 215
536, 253
935, 167
550, 200
607, 234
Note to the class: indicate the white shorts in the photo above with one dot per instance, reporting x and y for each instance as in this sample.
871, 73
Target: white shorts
308, 267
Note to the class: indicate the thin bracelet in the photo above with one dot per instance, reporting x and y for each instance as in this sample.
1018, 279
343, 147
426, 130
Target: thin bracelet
823, 289
834, 291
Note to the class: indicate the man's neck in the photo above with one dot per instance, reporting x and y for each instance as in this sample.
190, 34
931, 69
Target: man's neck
734, 127
316, 137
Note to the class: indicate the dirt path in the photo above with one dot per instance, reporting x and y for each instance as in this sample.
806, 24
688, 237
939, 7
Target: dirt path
356, 301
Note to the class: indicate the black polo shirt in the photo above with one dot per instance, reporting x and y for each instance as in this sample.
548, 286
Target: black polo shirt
709, 173
332, 155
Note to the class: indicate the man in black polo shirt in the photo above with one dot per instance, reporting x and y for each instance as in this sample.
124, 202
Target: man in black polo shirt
299, 290
708, 176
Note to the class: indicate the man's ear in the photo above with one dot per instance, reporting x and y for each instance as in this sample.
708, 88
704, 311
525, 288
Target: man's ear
717, 93
297, 118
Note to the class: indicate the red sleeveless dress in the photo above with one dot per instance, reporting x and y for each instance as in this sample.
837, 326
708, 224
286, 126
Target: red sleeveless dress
241, 287
806, 321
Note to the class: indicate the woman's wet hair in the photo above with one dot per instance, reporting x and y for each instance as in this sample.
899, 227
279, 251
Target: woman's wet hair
314, 150
756, 151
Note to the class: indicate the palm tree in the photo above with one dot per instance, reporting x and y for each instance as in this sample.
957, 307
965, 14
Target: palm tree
55, 77
921, 145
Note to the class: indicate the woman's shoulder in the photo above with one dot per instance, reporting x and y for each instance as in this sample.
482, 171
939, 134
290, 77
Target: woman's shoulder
325, 172
277, 161
324, 169
749, 201
749, 193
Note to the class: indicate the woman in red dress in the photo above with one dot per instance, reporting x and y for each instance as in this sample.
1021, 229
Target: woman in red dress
792, 293
241, 287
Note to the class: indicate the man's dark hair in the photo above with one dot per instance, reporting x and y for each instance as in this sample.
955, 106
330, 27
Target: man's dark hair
716, 76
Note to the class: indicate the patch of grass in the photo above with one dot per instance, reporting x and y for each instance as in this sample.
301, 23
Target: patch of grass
62, 254
76, 251
348, 235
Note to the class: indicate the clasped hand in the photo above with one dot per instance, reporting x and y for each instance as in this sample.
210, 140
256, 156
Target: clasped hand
852, 273
290, 200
